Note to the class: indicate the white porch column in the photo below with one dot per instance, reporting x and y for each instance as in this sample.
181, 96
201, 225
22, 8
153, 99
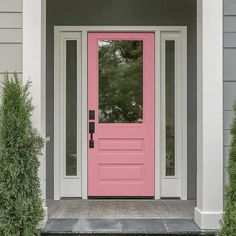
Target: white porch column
34, 25
210, 114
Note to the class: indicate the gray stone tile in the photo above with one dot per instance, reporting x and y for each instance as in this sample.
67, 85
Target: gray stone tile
62, 206
128, 209
142, 226
181, 225
78, 209
123, 226
177, 209
150, 209
52, 206
97, 226
118, 209
96, 209
60, 226
109, 209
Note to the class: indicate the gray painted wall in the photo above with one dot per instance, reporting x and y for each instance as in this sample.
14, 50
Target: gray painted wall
125, 12
229, 72
11, 36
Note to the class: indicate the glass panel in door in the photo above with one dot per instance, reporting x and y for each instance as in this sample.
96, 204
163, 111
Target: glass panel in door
71, 108
170, 106
120, 81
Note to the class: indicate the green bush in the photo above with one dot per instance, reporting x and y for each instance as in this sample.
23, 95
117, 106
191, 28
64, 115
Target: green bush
228, 224
21, 206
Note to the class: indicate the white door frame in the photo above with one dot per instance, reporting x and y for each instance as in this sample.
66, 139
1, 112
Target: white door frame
66, 188
173, 186
158, 30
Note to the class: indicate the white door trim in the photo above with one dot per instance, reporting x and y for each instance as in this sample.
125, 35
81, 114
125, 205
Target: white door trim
158, 124
66, 183
171, 186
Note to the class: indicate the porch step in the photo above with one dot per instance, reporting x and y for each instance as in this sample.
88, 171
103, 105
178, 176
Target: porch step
85, 227
129, 234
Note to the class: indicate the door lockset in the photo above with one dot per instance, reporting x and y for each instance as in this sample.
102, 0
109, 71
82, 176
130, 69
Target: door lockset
91, 131
91, 141
91, 127
91, 115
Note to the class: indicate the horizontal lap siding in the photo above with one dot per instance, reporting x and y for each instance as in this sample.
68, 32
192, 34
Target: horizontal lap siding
229, 72
11, 5
11, 58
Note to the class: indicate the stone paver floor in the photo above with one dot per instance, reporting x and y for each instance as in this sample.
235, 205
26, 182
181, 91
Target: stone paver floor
154, 227
120, 209
121, 217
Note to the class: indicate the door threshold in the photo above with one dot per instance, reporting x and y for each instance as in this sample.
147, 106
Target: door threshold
170, 198
119, 198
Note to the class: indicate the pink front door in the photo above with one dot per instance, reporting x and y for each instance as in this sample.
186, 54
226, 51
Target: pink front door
121, 114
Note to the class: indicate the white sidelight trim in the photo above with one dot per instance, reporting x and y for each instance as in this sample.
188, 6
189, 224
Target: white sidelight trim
65, 186
209, 114
34, 61
175, 186
84, 118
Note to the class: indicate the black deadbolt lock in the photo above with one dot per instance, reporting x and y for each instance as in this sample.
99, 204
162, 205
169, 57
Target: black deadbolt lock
91, 114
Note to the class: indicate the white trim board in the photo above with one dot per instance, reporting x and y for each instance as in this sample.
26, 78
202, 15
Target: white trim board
34, 69
173, 186
158, 121
210, 186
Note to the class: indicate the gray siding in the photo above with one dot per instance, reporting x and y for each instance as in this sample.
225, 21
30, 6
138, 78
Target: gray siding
229, 73
125, 12
11, 36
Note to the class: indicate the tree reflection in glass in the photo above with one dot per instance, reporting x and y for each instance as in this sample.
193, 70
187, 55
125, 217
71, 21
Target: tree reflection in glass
120, 81
170, 107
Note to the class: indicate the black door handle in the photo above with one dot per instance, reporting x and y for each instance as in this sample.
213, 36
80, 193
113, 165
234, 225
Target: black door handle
91, 131
91, 127
91, 141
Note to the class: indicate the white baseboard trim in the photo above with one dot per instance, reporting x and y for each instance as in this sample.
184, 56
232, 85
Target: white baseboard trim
207, 220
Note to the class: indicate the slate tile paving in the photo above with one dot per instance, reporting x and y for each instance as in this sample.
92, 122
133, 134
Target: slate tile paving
122, 227
132, 209
180, 225
121, 217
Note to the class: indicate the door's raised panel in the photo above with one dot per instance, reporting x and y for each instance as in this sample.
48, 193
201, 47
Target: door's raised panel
130, 172
117, 144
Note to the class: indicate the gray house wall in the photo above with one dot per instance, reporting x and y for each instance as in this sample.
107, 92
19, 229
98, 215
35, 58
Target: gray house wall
229, 72
125, 12
11, 36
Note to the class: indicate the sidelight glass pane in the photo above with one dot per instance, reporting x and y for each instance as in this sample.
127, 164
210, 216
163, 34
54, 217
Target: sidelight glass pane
170, 107
120, 81
71, 108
